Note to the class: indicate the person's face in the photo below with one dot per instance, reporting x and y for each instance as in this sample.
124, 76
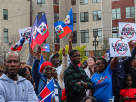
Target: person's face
27, 74
54, 73
55, 61
76, 57
91, 62
100, 66
1, 74
48, 71
12, 64
129, 81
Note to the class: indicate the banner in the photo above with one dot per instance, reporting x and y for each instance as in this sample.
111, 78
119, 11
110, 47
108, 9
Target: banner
25, 31
119, 47
127, 30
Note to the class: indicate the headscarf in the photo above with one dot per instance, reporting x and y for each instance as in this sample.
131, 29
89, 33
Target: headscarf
44, 65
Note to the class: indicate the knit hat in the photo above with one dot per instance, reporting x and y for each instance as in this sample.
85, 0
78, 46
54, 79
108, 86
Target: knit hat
44, 65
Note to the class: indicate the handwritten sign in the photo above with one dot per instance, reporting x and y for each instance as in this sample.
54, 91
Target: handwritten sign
119, 47
127, 30
26, 32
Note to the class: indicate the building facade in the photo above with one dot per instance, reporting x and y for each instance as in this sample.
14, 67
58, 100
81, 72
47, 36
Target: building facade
14, 15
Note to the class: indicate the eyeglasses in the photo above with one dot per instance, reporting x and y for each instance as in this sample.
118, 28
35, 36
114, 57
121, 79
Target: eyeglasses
77, 56
48, 69
98, 64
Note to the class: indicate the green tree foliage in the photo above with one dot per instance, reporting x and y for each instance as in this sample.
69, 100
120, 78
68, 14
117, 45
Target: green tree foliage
80, 49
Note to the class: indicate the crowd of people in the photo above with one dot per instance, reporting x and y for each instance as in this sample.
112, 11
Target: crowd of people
95, 80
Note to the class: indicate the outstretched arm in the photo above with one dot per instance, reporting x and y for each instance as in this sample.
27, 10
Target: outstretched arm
113, 63
70, 42
30, 57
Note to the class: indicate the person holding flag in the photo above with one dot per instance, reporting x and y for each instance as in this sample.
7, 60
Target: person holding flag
43, 77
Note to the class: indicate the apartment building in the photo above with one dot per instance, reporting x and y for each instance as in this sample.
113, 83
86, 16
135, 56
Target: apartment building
122, 11
14, 15
91, 17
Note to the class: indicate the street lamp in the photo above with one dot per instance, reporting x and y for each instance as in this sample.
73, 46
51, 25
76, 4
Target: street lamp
95, 40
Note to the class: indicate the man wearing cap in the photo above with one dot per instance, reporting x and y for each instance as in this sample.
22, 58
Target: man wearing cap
14, 88
54, 59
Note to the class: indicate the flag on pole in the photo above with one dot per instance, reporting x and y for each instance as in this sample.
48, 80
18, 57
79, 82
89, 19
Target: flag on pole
34, 33
62, 29
42, 30
18, 45
46, 93
46, 48
69, 19
41, 61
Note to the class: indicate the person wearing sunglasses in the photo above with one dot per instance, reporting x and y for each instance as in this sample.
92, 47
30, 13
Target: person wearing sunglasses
44, 76
102, 80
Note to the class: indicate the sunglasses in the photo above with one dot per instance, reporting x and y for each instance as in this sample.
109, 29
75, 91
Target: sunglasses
98, 64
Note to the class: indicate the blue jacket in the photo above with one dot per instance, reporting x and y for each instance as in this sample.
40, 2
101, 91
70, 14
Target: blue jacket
41, 79
22, 91
119, 72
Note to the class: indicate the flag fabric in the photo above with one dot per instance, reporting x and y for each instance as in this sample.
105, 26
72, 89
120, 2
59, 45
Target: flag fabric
62, 29
69, 19
42, 30
34, 33
18, 45
41, 61
46, 93
46, 48
107, 55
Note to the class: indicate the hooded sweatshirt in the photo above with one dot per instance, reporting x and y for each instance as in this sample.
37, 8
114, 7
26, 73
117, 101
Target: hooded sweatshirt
19, 91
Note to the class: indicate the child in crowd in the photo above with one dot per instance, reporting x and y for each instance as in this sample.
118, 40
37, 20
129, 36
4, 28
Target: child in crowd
128, 94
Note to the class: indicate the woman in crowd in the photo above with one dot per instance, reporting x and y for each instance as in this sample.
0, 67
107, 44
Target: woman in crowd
43, 77
102, 80
128, 94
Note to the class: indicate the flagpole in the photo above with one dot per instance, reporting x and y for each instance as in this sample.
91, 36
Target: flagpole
46, 96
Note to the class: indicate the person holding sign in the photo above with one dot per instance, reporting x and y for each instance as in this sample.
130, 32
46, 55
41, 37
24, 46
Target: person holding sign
102, 80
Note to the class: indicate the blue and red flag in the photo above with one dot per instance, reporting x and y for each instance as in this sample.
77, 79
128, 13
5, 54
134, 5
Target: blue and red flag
34, 33
62, 29
46, 48
46, 93
69, 19
107, 54
18, 45
42, 30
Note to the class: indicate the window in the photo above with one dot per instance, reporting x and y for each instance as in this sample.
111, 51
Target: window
40, 2
5, 14
82, 2
96, 1
56, 37
40, 15
116, 14
96, 15
56, 17
74, 37
84, 36
56, 2
98, 32
130, 11
5, 35
87, 53
84, 17
73, 2
74, 17
115, 32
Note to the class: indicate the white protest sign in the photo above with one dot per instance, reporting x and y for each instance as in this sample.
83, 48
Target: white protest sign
127, 30
25, 31
119, 47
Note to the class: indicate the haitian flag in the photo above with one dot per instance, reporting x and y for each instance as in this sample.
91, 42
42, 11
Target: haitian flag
69, 19
46, 93
46, 48
42, 30
107, 55
62, 29
18, 45
34, 33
